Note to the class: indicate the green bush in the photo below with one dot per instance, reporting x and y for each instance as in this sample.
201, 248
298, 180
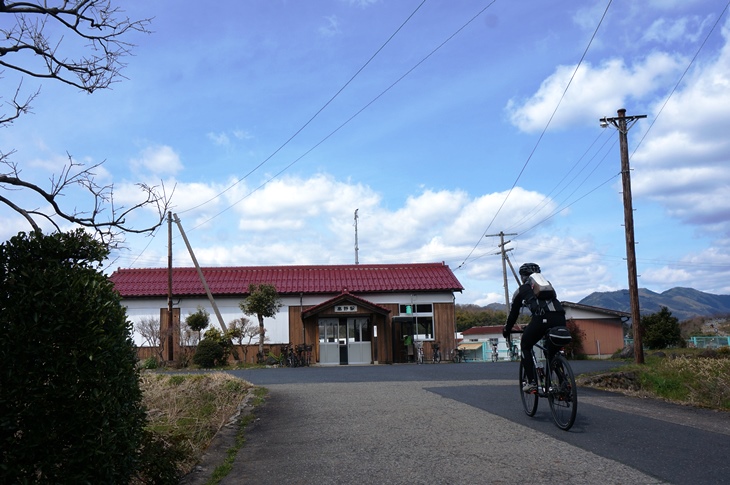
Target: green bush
199, 320
149, 363
209, 353
159, 460
70, 400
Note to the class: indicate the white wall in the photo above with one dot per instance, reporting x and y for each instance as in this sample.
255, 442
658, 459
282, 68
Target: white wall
277, 329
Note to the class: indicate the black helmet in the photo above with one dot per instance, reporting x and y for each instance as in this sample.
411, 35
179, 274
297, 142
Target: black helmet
527, 269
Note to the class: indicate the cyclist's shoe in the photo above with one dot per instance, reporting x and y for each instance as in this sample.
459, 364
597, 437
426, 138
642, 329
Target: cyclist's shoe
529, 387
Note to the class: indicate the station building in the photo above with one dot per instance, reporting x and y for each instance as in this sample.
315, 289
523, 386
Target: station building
349, 314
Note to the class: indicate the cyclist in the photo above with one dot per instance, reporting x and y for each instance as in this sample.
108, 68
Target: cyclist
545, 314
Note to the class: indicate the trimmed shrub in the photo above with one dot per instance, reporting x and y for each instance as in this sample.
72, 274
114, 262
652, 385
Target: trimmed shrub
70, 400
209, 353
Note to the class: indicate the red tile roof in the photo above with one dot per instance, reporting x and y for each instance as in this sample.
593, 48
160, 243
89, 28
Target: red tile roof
360, 278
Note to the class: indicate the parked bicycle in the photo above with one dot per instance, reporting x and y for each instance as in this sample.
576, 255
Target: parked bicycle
458, 355
419, 351
495, 353
555, 380
289, 357
304, 354
436, 357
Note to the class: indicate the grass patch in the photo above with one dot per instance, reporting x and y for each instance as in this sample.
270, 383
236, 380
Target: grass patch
187, 410
685, 376
225, 468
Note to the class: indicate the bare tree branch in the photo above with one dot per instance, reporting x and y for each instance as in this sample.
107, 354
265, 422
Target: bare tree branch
108, 220
101, 26
80, 43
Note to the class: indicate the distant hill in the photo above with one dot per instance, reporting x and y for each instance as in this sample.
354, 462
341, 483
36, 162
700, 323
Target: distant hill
684, 303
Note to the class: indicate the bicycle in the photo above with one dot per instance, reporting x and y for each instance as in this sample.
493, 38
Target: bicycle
458, 355
555, 380
419, 352
304, 354
289, 356
436, 357
495, 354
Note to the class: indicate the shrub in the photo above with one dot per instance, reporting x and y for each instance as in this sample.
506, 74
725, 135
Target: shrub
70, 405
209, 353
160, 459
149, 363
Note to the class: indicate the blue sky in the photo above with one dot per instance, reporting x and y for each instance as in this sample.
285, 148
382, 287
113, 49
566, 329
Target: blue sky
441, 122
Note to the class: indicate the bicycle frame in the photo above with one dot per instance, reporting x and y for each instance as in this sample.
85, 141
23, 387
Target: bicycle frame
543, 374
555, 382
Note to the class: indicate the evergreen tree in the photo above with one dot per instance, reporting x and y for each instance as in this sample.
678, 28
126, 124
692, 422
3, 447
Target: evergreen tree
661, 330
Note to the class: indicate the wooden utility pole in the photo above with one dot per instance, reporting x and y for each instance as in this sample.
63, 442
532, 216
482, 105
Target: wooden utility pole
623, 124
169, 343
503, 252
357, 249
169, 264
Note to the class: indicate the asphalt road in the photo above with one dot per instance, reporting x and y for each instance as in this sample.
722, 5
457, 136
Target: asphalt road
463, 423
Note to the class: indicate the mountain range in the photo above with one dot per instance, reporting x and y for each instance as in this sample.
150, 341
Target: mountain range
684, 303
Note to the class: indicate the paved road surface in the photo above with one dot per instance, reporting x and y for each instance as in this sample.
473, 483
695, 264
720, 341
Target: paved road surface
463, 424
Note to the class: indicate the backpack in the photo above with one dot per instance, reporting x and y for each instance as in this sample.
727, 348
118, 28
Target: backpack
541, 287
544, 298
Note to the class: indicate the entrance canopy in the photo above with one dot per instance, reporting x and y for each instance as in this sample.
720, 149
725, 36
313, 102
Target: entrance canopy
471, 345
345, 298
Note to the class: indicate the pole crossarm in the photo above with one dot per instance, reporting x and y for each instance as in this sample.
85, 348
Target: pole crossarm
616, 122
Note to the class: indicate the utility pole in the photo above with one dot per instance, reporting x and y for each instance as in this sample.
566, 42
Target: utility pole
168, 344
503, 252
623, 124
356, 248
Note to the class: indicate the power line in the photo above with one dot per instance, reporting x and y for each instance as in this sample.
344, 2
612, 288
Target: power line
342, 125
314, 115
539, 139
714, 26
689, 65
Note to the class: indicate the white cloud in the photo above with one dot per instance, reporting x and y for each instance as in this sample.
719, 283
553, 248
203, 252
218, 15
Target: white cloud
594, 92
361, 3
685, 29
332, 26
158, 160
220, 139
683, 162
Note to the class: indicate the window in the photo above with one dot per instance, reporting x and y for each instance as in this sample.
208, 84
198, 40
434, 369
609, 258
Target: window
422, 314
416, 308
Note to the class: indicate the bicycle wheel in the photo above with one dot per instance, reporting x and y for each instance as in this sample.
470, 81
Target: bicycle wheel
563, 393
529, 399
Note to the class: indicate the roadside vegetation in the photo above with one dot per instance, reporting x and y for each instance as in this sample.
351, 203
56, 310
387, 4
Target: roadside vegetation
673, 371
185, 411
696, 377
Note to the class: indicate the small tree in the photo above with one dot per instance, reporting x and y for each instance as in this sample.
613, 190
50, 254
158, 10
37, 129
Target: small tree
661, 330
578, 336
263, 301
198, 320
149, 329
240, 330
189, 340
